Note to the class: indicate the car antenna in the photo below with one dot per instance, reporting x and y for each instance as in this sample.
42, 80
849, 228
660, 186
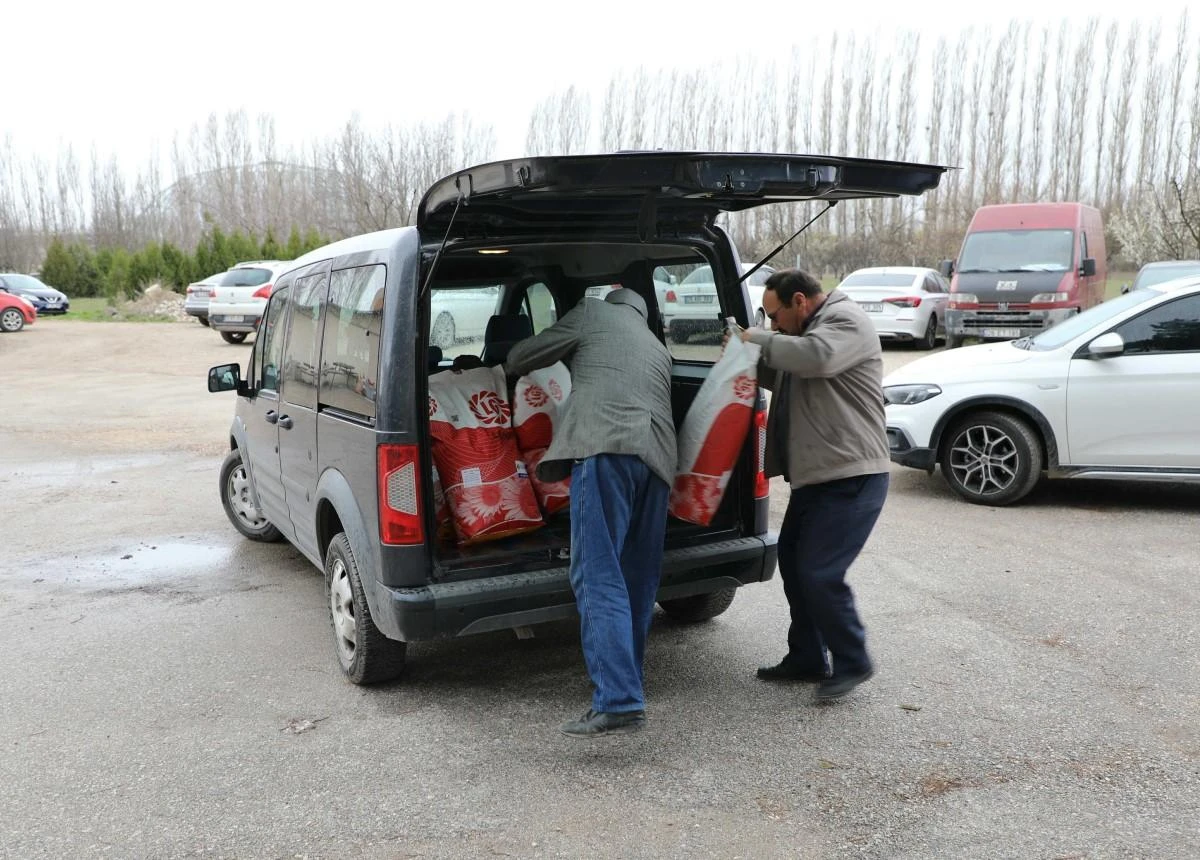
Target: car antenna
441, 247
783, 245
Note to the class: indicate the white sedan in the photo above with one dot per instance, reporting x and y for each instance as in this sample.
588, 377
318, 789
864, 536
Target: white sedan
904, 302
1113, 392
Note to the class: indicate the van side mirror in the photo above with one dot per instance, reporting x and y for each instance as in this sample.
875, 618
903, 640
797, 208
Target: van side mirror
1088, 267
1106, 345
226, 377
946, 268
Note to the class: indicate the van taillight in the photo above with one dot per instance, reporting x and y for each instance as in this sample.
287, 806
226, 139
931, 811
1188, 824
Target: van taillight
762, 487
263, 292
399, 495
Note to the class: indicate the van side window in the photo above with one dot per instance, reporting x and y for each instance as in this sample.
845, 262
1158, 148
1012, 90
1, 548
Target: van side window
538, 305
268, 351
350, 346
1170, 327
304, 340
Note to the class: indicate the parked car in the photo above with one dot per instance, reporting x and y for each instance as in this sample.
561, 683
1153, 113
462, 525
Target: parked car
1024, 267
692, 308
198, 296
16, 312
905, 303
461, 315
46, 299
1113, 392
240, 295
1164, 270
330, 445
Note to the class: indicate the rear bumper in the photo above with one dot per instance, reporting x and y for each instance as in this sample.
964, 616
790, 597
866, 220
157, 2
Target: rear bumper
196, 311
222, 322
441, 610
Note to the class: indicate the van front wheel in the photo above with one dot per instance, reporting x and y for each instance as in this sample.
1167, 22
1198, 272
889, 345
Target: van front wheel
698, 607
238, 501
364, 653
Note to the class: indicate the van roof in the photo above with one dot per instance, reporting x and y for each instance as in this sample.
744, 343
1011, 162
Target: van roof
377, 241
1028, 216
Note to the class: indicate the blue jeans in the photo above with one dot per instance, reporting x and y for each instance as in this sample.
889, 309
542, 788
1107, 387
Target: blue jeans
618, 523
823, 531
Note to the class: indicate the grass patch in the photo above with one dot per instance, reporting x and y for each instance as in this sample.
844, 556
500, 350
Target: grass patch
100, 309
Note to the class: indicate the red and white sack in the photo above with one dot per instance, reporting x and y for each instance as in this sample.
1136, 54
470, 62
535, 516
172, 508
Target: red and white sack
482, 473
713, 433
538, 400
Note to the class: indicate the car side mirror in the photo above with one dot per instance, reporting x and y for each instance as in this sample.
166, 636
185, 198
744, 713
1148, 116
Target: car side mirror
1126, 287
226, 377
1106, 345
1088, 267
946, 268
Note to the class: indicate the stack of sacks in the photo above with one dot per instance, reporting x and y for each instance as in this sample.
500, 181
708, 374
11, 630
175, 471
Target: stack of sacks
539, 398
713, 433
482, 473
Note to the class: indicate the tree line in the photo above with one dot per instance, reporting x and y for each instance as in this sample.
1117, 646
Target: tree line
1104, 112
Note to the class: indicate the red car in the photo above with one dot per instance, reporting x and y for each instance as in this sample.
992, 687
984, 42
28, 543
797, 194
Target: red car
15, 312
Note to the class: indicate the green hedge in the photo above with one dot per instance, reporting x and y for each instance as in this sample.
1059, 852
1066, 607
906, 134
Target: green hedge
78, 270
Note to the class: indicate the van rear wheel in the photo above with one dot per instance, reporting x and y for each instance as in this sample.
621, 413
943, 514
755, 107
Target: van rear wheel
698, 607
364, 653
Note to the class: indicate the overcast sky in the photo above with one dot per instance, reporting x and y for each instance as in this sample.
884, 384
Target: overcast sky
125, 76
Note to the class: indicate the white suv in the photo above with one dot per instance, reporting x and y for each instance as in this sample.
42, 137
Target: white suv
239, 296
1113, 392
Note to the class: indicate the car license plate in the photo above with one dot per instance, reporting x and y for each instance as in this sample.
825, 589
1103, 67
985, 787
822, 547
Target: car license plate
697, 300
873, 307
1007, 333
234, 318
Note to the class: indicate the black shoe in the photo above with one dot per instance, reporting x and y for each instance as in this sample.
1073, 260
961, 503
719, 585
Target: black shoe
593, 724
840, 685
786, 671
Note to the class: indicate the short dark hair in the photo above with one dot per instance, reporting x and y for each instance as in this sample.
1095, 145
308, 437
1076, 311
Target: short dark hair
787, 282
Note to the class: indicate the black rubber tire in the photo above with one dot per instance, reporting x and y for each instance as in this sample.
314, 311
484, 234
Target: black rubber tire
443, 333
234, 336
1023, 445
203, 321
698, 607
11, 320
929, 341
373, 657
266, 533
953, 341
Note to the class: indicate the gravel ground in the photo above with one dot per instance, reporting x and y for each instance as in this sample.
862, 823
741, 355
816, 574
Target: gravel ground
172, 691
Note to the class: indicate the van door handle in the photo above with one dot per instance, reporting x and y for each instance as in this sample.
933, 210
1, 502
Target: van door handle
285, 422
271, 416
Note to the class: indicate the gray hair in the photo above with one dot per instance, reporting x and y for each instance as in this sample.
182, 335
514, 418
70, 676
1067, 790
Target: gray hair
626, 296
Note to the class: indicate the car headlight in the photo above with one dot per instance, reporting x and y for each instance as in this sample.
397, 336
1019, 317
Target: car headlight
1049, 298
906, 395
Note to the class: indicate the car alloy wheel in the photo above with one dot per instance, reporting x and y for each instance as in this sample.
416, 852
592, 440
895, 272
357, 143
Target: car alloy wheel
992, 458
12, 320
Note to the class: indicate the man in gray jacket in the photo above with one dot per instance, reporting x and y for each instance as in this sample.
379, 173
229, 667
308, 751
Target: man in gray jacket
827, 437
616, 440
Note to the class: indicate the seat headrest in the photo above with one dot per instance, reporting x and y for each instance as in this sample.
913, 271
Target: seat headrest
508, 327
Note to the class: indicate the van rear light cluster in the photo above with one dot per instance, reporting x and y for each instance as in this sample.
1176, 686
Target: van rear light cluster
263, 292
399, 487
905, 301
762, 487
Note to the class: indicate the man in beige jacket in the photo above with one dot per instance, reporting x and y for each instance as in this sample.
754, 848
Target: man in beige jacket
826, 436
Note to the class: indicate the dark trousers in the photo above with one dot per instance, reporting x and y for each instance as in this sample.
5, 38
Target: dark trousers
618, 521
824, 529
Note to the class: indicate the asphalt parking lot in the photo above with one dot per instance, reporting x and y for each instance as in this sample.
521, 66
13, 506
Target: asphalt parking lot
171, 690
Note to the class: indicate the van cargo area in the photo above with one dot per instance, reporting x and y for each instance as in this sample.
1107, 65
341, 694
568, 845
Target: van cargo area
540, 282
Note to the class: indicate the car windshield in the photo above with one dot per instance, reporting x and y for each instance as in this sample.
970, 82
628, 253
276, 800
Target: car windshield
247, 277
1018, 251
1072, 327
866, 279
1148, 276
24, 282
